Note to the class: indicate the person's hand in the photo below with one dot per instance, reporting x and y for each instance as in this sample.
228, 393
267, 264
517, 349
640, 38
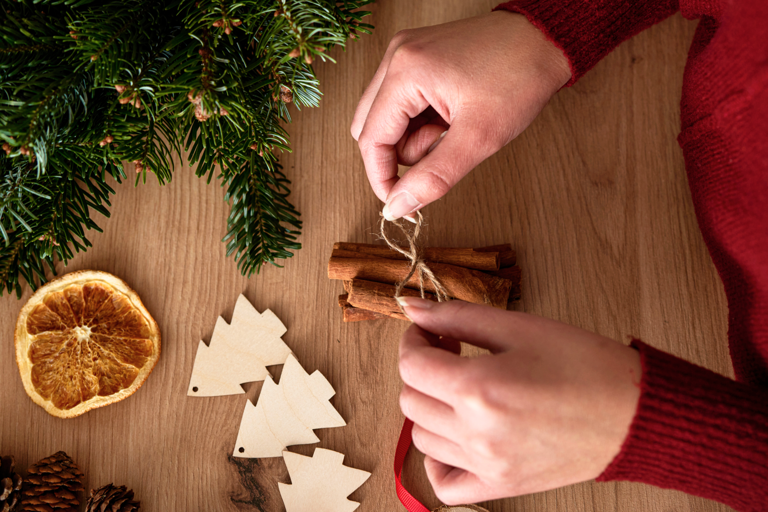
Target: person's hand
484, 79
550, 407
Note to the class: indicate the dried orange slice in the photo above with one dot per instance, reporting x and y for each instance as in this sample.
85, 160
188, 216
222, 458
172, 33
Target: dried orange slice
83, 341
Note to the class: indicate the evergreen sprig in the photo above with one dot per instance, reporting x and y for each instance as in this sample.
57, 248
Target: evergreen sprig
86, 85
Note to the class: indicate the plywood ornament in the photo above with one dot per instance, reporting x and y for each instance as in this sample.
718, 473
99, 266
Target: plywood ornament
286, 414
460, 508
239, 352
320, 483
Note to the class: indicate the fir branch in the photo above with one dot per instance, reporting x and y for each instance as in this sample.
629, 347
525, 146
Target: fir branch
86, 85
256, 227
9, 260
35, 48
30, 37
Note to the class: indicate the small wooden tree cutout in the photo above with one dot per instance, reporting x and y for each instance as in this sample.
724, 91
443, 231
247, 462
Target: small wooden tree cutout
320, 483
286, 414
239, 352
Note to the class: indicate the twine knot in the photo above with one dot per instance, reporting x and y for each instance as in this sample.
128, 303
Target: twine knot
414, 254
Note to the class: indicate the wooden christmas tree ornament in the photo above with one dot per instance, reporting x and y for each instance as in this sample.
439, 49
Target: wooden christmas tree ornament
320, 483
286, 414
239, 352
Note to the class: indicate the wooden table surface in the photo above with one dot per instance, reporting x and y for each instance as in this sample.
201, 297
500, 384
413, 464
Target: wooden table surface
593, 196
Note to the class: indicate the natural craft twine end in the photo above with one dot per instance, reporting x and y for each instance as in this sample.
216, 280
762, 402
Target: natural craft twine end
414, 255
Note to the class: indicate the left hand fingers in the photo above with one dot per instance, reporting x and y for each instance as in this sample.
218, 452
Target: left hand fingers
431, 414
432, 371
439, 448
450, 344
482, 326
456, 486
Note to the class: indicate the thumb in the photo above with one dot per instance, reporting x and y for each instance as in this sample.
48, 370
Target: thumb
462, 148
482, 326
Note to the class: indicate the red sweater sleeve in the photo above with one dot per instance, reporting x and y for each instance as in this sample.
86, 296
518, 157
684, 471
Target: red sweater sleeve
587, 30
698, 432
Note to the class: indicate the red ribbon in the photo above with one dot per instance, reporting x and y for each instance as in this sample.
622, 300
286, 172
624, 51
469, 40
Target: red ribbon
408, 501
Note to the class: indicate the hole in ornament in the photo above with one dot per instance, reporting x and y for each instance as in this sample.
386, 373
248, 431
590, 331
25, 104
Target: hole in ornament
194, 389
241, 450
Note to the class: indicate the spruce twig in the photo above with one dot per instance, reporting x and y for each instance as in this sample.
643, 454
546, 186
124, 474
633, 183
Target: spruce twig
86, 85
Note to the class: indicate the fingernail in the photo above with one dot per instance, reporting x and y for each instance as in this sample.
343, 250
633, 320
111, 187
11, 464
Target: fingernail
402, 204
410, 218
434, 144
415, 302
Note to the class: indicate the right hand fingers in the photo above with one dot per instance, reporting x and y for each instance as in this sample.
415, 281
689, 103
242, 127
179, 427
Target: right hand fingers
465, 145
364, 105
404, 95
398, 101
416, 143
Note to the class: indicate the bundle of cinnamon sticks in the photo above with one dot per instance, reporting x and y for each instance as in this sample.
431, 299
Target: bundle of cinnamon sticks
486, 275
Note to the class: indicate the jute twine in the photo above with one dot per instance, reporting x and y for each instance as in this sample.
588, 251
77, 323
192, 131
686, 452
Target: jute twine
414, 255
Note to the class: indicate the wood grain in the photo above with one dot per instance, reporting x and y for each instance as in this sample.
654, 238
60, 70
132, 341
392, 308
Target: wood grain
593, 196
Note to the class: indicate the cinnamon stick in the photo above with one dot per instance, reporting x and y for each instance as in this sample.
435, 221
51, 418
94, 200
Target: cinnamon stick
461, 257
461, 283
345, 253
514, 274
353, 314
379, 297
374, 301
507, 255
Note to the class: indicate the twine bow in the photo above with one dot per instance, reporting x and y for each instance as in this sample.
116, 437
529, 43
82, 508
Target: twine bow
414, 255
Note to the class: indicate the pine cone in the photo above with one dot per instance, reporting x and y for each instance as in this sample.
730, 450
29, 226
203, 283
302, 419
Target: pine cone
51, 485
10, 484
111, 499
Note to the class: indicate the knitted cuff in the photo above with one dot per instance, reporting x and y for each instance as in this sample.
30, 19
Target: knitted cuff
697, 432
587, 30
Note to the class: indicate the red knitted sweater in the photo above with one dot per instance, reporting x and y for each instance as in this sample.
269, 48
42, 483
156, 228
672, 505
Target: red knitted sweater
694, 430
